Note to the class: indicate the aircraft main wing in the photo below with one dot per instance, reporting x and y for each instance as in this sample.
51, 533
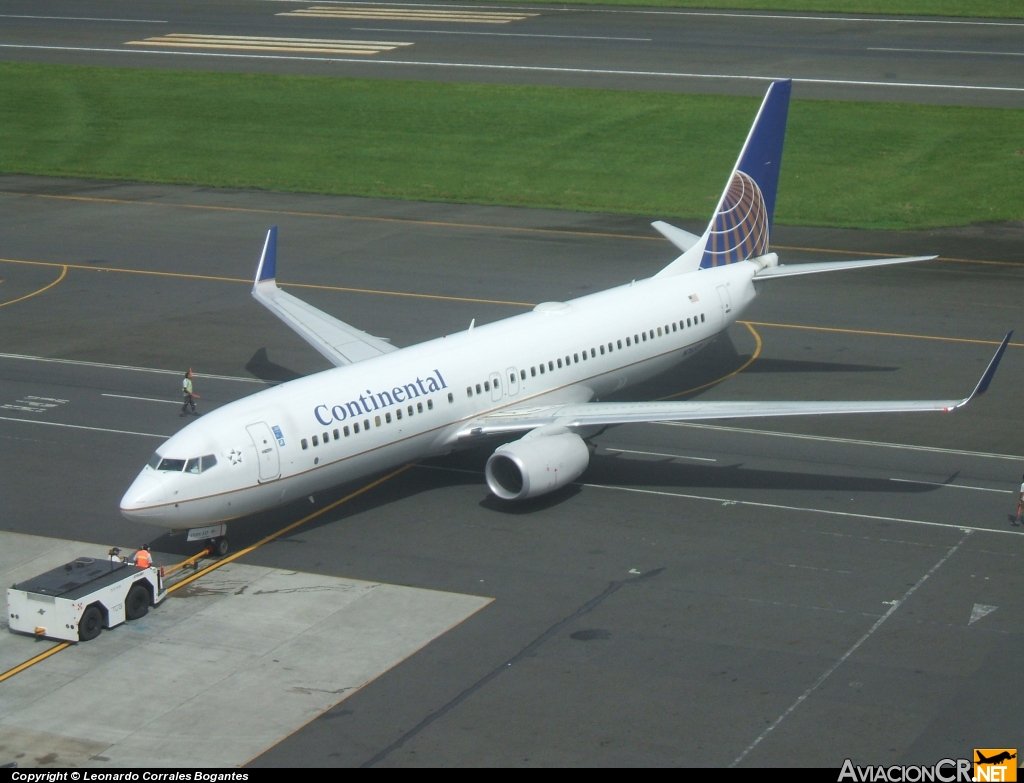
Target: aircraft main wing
339, 342
597, 414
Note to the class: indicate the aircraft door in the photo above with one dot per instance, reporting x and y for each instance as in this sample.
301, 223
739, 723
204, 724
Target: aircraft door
495, 386
513, 381
723, 295
266, 450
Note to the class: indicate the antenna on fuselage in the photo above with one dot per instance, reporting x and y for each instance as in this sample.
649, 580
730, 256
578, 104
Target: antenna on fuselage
471, 325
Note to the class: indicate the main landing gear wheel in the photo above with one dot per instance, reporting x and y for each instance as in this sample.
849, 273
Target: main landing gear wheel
137, 604
91, 624
220, 546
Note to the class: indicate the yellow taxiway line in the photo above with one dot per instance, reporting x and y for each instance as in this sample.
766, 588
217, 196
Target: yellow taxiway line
63, 274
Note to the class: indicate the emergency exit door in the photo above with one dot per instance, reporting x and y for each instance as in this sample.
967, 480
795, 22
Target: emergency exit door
266, 450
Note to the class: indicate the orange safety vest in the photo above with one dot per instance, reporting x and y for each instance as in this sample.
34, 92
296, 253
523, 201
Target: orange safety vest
143, 559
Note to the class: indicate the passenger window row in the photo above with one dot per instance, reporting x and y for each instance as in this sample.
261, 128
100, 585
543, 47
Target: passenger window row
355, 429
552, 365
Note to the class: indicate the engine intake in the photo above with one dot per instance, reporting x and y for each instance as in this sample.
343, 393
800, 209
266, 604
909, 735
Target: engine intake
536, 465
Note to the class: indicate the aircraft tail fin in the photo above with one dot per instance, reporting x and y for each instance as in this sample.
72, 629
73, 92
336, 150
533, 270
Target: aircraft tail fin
742, 221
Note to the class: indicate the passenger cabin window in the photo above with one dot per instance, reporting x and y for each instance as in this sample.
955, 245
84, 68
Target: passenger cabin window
522, 375
542, 369
366, 424
644, 335
566, 361
575, 359
617, 345
419, 407
376, 421
659, 331
702, 317
430, 405
398, 413
652, 334
336, 435
533, 372
355, 429
593, 353
477, 391
487, 385
551, 365
688, 322
497, 384
305, 445
409, 410
628, 343
316, 442
346, 430
387, 418
602, 350
673, 326
327, 437
451, 397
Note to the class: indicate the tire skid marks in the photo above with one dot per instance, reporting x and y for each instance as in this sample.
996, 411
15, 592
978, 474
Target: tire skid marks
408, 14
254, 43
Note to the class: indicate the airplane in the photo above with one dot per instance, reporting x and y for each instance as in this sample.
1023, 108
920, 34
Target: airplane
533, 381
999, 758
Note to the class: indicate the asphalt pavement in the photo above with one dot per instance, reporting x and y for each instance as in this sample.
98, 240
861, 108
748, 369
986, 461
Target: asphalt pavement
975, 62
771, 592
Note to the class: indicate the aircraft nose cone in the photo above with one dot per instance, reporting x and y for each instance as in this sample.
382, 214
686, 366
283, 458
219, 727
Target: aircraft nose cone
145, 499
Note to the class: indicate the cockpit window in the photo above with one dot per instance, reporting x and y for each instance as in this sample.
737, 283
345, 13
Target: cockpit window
173, 465
154, 460
197, 465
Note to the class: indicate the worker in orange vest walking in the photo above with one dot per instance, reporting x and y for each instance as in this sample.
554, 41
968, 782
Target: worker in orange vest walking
142, 558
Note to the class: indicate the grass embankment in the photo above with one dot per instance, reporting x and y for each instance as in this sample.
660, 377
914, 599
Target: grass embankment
846, 164
1005, 9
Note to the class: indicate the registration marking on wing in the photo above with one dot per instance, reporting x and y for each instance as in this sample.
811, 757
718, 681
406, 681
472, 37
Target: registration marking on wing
408, 14
253, 43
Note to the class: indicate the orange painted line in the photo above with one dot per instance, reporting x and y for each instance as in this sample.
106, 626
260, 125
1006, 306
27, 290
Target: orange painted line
746, 364
878, 334
63, 273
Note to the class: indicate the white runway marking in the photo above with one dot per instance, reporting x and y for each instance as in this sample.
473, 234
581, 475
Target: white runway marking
952, 486
807, 509
979, 611
83, 427
881, 444
563, 9
84, 19
143, 399
529, 68
103, 365
255, 43
943, 51
657, 454
504, 35
409, 13
878, 624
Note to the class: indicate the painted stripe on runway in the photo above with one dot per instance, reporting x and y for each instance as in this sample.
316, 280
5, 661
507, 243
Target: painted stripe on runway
850, 441
105, 366
142, 399
530, 68
804, 509
657, 454
951, 486
943, 51
255, 43
84, 19
83, 427
449, 14
504, 35
563, 9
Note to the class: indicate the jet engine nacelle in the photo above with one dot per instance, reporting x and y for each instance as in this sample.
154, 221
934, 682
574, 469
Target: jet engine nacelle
536, 464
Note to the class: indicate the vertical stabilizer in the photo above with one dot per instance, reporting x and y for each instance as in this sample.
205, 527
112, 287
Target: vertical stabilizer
742, 221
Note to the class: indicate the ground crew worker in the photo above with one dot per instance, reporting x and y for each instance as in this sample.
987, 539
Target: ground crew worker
115, 555
142, 558
190, 396
1020, 503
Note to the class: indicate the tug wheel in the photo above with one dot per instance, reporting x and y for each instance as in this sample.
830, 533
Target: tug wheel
91, 624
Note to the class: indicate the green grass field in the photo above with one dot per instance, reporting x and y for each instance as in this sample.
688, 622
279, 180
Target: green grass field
1007, 9
658, 154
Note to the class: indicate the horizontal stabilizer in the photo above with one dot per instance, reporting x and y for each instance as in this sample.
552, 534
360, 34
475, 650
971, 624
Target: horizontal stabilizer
336, 340
684, 240
791, 270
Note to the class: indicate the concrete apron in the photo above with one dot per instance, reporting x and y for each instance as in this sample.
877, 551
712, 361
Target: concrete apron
228, 665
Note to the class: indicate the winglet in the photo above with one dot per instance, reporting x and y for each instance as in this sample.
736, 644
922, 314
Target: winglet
267, 270
990, 371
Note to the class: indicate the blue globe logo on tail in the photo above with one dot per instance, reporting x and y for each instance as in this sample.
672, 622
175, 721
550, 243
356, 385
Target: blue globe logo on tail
740, 228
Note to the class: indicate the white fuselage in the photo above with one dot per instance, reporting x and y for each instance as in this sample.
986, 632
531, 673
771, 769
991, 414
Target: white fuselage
301, 437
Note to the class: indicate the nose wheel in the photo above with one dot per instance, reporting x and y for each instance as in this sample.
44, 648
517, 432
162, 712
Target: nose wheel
219, 546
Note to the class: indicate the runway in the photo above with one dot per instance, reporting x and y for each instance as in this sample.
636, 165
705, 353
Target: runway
913, 59
759, 593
